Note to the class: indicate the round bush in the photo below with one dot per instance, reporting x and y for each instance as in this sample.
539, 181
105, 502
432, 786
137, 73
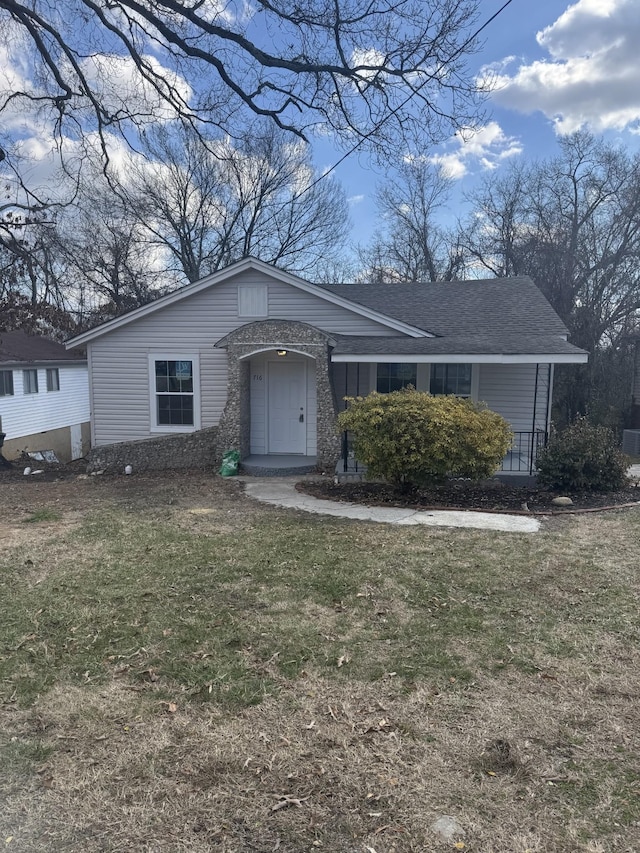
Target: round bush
583, 457
411, 438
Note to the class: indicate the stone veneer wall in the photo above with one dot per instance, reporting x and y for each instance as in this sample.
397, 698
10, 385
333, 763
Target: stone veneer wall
265, 335
188, 450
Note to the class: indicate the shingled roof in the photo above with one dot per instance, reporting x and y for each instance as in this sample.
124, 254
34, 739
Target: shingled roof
22, 348
496, 344
483, 307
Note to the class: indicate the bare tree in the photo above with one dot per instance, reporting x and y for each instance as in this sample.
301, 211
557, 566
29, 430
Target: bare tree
370, 70
573, 224
414, 246
108, 266
209, 202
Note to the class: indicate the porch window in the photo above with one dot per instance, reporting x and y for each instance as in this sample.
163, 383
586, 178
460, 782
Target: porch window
6, 383
393, 377
451, 379
30, 381
174, 393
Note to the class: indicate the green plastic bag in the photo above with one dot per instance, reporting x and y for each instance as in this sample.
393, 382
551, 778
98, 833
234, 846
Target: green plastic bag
230, 460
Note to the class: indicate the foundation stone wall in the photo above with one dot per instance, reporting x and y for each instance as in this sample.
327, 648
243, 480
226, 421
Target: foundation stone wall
189, 450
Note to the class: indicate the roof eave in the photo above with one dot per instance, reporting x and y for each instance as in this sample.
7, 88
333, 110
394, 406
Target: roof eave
44, 362
461, 358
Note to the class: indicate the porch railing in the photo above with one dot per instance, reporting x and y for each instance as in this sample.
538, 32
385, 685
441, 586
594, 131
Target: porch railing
521, 458
349, 461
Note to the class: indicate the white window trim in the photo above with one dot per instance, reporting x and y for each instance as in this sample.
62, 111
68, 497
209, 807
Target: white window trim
194, 358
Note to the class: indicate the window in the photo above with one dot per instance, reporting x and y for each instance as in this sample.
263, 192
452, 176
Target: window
451, 379
6, 383
30, 381
393, 377
174, 397
53, 379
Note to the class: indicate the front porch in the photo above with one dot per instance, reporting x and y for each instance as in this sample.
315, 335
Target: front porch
519, 462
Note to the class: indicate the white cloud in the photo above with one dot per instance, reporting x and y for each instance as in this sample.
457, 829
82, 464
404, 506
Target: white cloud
484, 147
591, 77
355, 199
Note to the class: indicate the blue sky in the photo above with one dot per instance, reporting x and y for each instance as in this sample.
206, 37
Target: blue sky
560, 66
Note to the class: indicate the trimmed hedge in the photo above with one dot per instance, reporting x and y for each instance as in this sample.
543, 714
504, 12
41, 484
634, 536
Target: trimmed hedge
411, 438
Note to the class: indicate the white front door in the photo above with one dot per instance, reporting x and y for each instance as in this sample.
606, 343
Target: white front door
287, 399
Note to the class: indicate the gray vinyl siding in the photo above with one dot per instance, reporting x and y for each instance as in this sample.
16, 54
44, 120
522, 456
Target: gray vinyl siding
120, 359
509, 389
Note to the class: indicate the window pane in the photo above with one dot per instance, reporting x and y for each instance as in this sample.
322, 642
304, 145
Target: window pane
175, 410
6, 383
451, 379
30, 381
393, 377
53, 379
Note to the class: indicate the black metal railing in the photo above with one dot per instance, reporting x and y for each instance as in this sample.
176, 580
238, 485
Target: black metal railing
349, 461
521, 459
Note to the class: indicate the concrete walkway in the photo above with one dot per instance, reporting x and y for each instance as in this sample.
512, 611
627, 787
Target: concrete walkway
281, 491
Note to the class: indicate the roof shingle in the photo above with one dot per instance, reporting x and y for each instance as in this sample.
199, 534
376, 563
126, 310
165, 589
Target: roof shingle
20, 348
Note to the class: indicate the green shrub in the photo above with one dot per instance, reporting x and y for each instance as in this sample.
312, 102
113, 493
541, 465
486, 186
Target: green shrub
411, 438
583, 457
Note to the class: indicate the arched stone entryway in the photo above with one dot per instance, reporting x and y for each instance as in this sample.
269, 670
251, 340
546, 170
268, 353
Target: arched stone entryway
272, 365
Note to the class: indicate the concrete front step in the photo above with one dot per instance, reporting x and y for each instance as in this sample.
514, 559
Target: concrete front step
277, 466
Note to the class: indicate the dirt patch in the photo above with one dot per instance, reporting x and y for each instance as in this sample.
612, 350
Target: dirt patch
494, 496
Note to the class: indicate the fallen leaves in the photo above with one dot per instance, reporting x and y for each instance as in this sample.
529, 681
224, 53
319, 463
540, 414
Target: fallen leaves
286, 800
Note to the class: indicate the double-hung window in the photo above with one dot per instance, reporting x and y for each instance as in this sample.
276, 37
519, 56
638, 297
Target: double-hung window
30, 381
6, 383
451, 379
174, 398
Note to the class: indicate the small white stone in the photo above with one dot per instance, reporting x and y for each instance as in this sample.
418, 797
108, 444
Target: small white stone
128, 469
26, 471
562, 501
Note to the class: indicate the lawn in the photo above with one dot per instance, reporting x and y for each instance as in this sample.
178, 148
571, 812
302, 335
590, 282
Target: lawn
182, 669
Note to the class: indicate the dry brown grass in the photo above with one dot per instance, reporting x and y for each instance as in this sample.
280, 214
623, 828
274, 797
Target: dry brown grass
528, 732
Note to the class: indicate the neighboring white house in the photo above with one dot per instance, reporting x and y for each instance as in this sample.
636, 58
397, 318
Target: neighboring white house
44, 397
269, 357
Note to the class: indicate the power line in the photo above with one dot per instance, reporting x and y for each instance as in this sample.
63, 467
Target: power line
404, 103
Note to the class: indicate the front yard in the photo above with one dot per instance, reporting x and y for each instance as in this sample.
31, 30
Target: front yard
184, 670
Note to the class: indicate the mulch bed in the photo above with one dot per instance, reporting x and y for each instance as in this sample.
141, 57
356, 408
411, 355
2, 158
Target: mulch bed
491, 496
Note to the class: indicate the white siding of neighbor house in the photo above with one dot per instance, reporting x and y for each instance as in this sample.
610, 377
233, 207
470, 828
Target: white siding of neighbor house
509, 389
120, 359
26, 414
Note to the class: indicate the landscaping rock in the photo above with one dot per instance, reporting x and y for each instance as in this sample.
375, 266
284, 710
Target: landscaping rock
562, 501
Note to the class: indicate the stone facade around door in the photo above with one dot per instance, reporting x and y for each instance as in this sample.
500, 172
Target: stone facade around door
265, 336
